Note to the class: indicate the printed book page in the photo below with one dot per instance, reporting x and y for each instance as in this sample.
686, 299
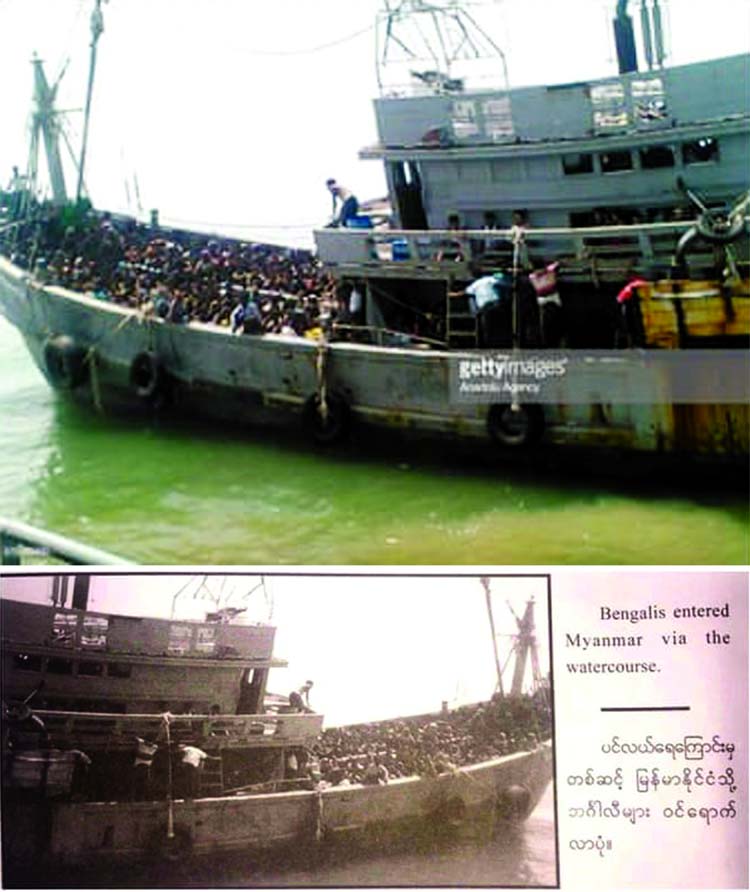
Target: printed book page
650, 681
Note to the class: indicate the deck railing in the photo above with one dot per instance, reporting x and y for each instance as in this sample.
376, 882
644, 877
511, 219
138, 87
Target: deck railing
595, 251
118, 731
21, 543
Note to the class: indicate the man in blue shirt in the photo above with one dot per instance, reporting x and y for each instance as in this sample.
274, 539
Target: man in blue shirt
487, 294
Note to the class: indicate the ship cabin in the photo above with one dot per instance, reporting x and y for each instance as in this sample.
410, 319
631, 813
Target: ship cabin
597, 175
98, 683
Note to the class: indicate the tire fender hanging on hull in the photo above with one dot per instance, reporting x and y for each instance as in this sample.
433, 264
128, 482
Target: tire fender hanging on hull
513, 803
147, 375
64, 362
330, 423
514, 426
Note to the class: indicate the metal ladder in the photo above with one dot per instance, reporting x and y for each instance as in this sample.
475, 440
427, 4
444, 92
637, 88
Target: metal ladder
460, 323
212, 777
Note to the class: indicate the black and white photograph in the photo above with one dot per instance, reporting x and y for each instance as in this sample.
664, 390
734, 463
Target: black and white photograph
277, 730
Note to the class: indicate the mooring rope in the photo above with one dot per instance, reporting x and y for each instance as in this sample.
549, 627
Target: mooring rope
319, 825
320, 368
96, 392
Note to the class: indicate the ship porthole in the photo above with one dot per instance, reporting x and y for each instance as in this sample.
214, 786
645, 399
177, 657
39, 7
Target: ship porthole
331, 426
515, 426
145, 374
513, 803
65, 362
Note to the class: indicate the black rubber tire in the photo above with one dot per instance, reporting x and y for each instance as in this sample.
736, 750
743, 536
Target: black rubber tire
514, 428
707, 232
337, 422
65, 362
513, 803
146, 374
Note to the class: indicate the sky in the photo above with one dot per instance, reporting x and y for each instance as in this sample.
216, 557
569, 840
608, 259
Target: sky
376, 647
231, 114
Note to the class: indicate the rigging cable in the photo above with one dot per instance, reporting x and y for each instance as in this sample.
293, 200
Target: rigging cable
309, 50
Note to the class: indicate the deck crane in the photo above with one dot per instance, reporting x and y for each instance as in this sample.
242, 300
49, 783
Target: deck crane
524, 647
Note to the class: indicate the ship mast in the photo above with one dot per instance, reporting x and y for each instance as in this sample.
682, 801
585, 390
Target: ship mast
486, 585
97, 27
524, 647
45, 123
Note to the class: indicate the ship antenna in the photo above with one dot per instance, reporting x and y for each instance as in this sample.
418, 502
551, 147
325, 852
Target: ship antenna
439, 32
97, 27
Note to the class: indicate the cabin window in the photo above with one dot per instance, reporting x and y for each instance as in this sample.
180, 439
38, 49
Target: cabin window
656, 156
93, 670
582, 218
615, 162
700, 151
119, 670
64, 628
59, 666
581, 162
94, 634
27, 662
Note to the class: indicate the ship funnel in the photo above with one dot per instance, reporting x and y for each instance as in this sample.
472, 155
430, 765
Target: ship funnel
648, 48
81, 592
658, 35
627, 59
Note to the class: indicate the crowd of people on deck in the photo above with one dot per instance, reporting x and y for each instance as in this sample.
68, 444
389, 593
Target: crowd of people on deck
369, 754
177, 275
427, 746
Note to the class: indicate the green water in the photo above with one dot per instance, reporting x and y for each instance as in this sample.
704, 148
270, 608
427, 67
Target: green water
176, 494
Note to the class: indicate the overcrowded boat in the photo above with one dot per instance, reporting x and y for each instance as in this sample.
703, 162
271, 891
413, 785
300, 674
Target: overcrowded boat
133, 739
563, 265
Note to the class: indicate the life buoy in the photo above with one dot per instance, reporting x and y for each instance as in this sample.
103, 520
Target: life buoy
513, 803
65, 362
146, 374
331, 426
515, 426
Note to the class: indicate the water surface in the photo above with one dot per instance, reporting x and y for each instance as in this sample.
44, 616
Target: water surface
169, 493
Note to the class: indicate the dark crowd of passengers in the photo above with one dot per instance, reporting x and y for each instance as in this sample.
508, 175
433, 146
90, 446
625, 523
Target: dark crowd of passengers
369, 754
427, 746
177, 275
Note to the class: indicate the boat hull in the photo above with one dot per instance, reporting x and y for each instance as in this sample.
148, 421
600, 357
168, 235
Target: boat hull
202, 371
96, 833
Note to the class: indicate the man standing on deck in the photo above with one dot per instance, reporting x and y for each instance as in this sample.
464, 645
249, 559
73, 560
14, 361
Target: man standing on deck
191, 765
144, 760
